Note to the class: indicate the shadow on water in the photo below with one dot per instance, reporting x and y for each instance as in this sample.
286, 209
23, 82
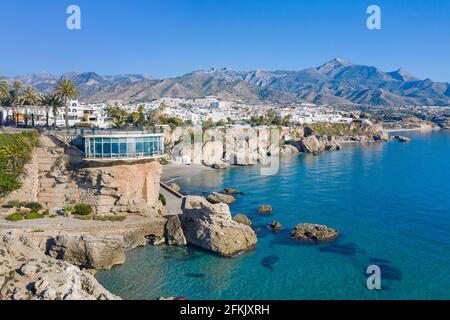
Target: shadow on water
343, 249
195, 275
269, 261
388, 272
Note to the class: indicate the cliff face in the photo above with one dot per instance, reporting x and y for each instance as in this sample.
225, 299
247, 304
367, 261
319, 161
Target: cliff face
56, 177
121, 189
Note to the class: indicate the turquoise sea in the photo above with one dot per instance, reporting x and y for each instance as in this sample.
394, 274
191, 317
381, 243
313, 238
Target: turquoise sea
391, 202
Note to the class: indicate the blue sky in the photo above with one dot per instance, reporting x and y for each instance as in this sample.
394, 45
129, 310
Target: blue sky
166, 38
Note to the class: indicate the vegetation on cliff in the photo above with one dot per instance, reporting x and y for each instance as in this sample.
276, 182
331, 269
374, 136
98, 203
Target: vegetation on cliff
15, 151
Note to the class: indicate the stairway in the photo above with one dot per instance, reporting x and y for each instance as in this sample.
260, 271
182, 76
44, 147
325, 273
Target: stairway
51, 194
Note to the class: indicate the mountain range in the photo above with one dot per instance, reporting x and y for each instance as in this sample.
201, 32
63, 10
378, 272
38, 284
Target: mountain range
336, 82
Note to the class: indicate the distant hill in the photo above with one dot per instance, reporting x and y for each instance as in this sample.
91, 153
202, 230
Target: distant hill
335, 82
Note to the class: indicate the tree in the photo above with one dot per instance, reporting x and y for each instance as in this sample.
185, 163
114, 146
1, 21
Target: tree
119, 117
4, 92
65, 90
46, 101
154, 117
162, 108
29, 98
15, 100
4, 89
56, 104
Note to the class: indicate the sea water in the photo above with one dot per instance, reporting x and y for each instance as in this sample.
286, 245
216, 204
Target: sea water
390, 202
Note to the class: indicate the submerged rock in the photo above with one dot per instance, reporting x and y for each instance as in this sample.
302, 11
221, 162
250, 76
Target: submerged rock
242, 218
209, 226
275, 226
231, 191
265, 209
403, 139
216, 197
220, 166
313, 233
174, 233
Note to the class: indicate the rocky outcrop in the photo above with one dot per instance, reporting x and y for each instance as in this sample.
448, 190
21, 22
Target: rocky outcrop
243, 146
242, 218
289, 149
100, 252
209, 226
174, 232
217, 197
313, 233
311, 145
28, 274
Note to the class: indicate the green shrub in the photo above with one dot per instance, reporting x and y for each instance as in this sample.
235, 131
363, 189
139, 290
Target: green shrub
15, 152
34, 206
162, 199
15, 217
82, 209
46, 212
15, 203
68, 209
34, 215
84, 218
110, 218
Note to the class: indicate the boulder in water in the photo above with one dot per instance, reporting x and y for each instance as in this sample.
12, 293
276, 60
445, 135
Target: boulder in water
265, 209
209, 226
313, 233
216, 197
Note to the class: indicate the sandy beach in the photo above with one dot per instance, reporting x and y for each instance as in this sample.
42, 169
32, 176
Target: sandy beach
173, 172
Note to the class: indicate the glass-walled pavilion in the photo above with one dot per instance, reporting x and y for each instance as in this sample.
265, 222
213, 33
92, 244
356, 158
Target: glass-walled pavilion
117, 145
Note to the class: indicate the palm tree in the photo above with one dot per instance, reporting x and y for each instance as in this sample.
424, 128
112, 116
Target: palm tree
4, 89
46, 101
65, 90
56, 104
30, 98
15, 100
4, 93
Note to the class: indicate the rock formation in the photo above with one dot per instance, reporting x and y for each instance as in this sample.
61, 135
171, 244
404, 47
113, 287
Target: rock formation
174, 232
209, 226
216, 197
231, 191
28, 274
313, 233
275, 226
265, 209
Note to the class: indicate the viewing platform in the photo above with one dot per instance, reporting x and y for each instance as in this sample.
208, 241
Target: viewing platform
124, 145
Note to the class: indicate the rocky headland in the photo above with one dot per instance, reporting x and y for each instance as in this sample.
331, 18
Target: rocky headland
220, 148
